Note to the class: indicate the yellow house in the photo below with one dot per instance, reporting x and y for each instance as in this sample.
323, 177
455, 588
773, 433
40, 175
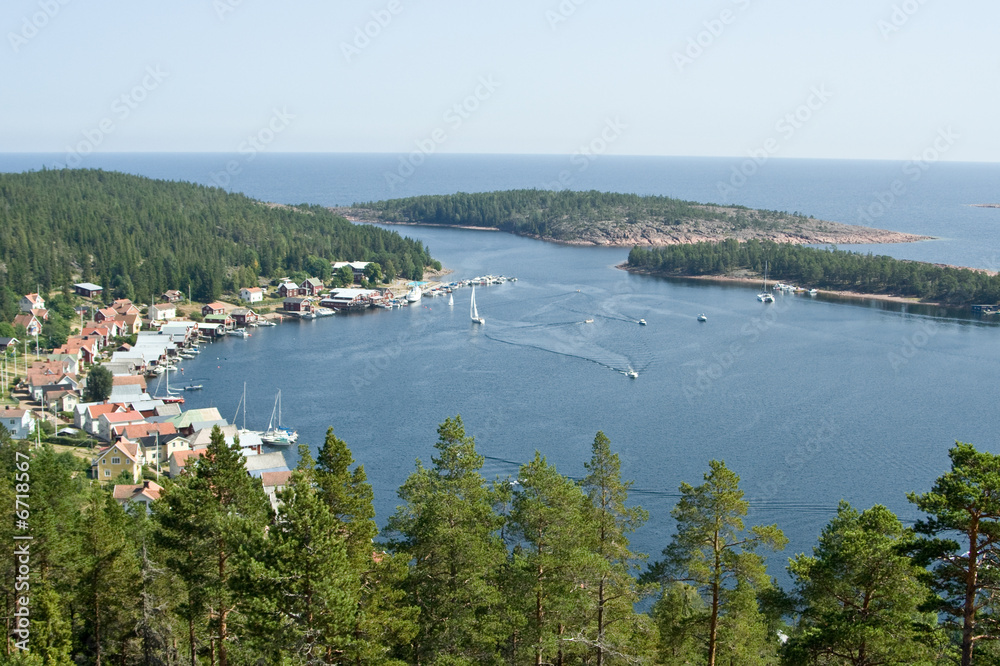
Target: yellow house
123, 456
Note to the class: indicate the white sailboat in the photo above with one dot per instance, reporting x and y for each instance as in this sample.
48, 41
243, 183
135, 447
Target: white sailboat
476, 319
765, 296
451, 300
276, 433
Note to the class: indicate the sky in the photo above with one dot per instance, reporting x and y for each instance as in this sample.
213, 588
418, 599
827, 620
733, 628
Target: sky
852, 79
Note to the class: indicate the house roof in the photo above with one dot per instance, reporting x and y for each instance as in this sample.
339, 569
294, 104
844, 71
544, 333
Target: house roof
266, 462
102, 408
275, 479
216, 305
180, 458
7, 342
25, 319
34, 298
108, 313
121, 380
241, 312
129, 449
16, 413
137, 430
148, 489
122, 417
89, 286
253, 290
164, 306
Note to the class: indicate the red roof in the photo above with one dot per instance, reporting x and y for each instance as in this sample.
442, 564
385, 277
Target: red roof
120, 417
150, 489
269, 479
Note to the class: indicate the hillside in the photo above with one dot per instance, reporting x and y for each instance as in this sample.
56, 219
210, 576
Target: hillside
140, 236
602, 218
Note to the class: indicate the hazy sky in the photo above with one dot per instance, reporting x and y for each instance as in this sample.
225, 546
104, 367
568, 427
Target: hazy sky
882, 79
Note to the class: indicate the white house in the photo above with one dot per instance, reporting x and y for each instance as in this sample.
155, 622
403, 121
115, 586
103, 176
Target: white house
252, 294
162, 311
19, 422
31, 302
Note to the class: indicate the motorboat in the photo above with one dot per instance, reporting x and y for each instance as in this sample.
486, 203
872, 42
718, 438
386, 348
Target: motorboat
702, 317
642, 322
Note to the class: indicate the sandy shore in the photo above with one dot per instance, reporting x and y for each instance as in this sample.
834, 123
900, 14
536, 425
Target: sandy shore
727, 279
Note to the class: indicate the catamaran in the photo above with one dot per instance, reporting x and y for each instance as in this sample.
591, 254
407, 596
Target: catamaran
476, 319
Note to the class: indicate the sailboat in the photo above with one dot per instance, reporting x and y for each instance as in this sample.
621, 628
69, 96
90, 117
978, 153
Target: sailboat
277, 434
476, 319
451, 300
169, 397
765, 296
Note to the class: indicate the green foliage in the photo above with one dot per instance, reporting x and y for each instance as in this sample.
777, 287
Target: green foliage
139, 237
563, 215
860, 595
446, 527
821, 268
99, 384
714, 552
961, 542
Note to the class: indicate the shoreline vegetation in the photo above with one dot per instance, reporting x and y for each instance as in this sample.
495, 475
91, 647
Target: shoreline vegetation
613, 220
839, 272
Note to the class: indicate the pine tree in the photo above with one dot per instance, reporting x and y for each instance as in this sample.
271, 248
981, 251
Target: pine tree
306, 576
548, 519
382, 619
966, 569
448, 530
615, 591
861, 596
711, 549
108, 575
209, 526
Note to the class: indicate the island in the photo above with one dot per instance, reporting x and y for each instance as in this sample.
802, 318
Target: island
841, 271
613, 219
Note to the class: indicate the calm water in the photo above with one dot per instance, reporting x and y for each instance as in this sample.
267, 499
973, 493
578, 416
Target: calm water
809, 400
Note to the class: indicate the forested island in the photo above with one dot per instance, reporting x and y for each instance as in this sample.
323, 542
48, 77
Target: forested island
470, 571
139, 237
832, 269
606, 218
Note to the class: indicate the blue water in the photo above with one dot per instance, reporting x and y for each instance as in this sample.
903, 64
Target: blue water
809, 400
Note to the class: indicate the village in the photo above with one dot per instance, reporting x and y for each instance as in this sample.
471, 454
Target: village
139, 434
133, 437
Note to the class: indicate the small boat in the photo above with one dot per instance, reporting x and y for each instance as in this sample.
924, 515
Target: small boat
588, 321
193, 387
476, 319
642, 322
240, 333
702, 317
813, 292
413, 295
451, 299
632, 374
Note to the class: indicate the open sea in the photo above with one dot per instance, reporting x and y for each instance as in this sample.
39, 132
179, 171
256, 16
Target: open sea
809, 400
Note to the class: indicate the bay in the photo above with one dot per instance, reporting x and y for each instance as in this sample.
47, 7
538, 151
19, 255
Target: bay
810, 400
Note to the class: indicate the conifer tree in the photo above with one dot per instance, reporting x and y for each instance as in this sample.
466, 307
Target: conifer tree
711, 549
615, 591
383, 619
107, 577
860, 595
446, 527
548, 518
209, 526
305, 574
962, 543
